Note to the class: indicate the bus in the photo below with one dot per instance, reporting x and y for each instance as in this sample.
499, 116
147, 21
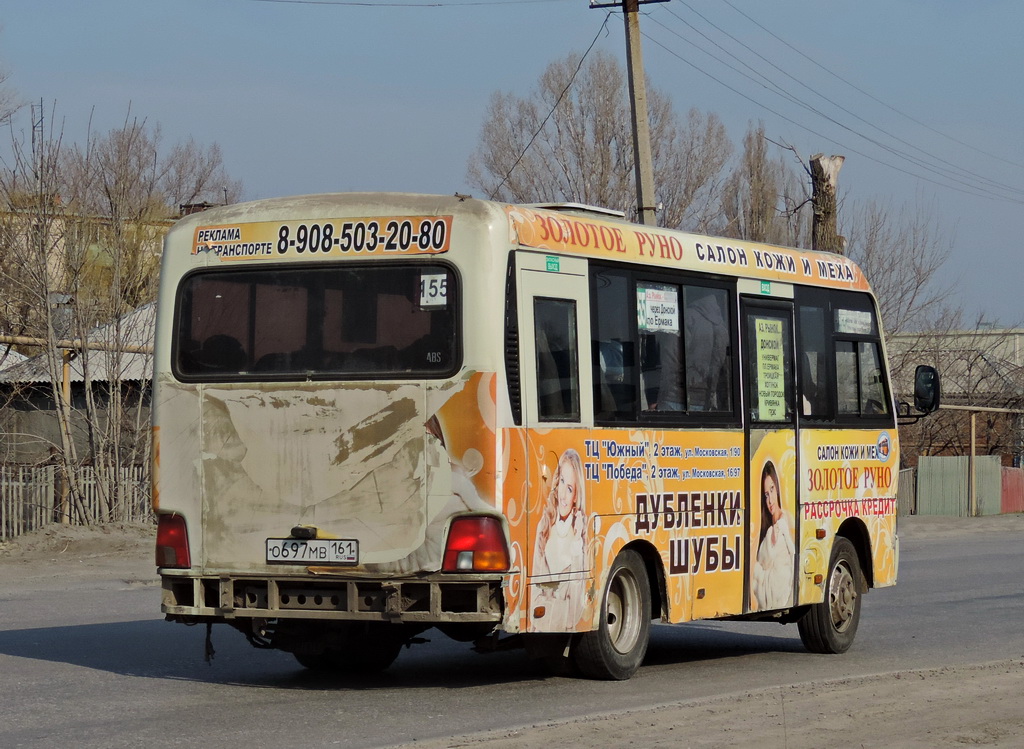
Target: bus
522, 425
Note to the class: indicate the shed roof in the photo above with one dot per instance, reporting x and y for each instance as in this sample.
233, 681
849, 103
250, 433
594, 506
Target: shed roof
10, 357
134, 329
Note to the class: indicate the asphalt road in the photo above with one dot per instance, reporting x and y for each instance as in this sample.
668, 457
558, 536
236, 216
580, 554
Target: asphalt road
87, 661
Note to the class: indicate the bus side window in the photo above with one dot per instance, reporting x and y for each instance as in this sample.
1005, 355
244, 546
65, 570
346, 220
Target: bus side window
661, 355
558, 382
614, 346
872, 388
846, 378
708, 365
814, 402
861, 385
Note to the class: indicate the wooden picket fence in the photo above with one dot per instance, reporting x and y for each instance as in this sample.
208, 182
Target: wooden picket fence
29, 497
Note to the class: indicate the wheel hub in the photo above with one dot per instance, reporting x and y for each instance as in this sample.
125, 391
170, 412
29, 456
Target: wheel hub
842, 597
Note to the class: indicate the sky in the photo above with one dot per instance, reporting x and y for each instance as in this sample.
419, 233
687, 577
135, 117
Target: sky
922, 97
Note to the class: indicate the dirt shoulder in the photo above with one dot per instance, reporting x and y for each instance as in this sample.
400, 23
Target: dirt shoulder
116, 553
948, 707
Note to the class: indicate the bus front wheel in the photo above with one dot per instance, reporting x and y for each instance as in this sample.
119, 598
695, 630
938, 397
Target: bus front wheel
830, 626
617, 647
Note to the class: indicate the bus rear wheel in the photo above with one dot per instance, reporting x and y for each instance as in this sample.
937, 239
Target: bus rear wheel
362, 650
830, 626
617, 647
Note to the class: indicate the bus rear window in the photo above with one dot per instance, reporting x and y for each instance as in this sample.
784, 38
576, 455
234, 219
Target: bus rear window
354, 321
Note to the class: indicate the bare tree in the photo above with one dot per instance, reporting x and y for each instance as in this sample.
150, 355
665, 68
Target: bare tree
32, 234
824, 176
127, 174
570, 140
981, 365
123, 186
80, 235
763, 196
9, 100
901, 251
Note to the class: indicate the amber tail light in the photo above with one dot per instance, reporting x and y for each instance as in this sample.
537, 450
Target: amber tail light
172, 542
476, 543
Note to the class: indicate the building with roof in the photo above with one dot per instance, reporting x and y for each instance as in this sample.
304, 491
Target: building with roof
107, 378
982, 373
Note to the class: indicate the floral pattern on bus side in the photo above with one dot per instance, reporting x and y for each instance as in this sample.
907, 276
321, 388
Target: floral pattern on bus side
678, 495
848, 476
464, 424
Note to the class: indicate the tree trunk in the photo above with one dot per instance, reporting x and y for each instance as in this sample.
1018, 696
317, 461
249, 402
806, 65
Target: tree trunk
824, 175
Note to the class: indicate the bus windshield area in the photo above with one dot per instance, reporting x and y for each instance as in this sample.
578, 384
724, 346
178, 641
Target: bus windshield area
323, 322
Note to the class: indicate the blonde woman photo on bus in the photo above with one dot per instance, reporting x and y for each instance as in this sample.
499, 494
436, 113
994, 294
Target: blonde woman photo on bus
773, 570
561, 543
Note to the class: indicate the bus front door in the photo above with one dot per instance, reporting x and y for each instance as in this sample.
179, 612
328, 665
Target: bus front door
771, 485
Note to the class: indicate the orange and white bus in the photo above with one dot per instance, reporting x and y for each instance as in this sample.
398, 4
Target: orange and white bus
375, 414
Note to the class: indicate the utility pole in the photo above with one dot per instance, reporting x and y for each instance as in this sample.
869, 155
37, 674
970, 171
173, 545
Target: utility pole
37, 145
642, 164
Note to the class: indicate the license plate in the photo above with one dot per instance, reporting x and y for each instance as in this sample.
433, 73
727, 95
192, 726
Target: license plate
313, 551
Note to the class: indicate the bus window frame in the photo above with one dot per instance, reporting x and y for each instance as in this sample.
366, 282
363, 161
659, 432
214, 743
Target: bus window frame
830, 300
574, 414
458, 349
787, 309
636, 275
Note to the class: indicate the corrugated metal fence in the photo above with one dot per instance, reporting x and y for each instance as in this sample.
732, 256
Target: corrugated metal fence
943, 486
1013, 490
28, 497
906, 492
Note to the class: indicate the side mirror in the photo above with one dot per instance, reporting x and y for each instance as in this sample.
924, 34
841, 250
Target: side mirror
926, 389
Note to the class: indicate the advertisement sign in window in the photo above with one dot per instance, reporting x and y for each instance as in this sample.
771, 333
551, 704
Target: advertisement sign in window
771, 380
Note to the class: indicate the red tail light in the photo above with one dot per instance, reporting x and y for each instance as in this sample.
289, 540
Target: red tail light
476, 543
172, 542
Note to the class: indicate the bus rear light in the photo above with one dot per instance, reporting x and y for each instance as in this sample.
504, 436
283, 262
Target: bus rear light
476, 543
172, 542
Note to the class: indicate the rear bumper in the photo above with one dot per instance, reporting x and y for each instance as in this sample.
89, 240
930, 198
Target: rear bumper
428, 600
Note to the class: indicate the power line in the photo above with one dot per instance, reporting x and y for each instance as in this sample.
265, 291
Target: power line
950, 172
938, 162
968, 188
976, 192
857, 88
453, 3
493, 194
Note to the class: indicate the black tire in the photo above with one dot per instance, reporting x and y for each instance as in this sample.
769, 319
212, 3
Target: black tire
617, 647
367, 656
361, 651
830, 626
319, 662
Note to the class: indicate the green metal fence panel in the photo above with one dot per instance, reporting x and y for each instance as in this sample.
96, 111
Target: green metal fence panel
943, 485
988, 472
